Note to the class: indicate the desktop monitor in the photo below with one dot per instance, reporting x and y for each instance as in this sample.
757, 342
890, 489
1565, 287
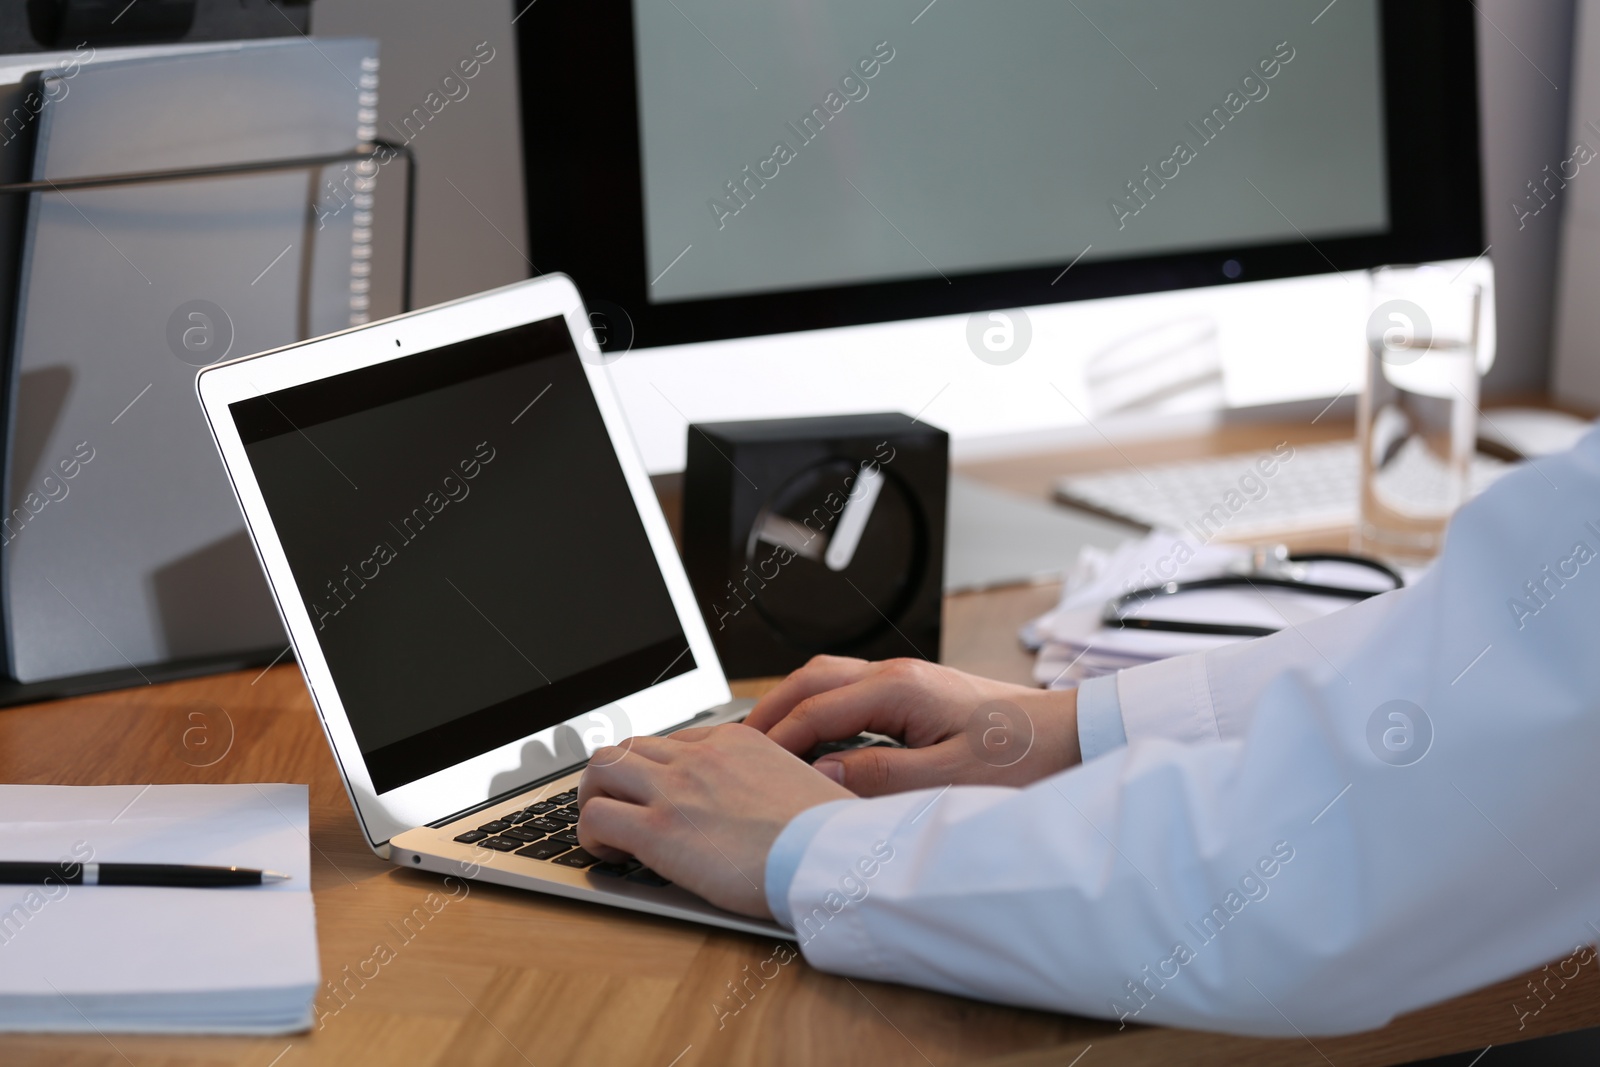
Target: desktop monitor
719, 177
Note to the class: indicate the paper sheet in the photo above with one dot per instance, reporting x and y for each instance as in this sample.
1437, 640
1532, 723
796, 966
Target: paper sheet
191, 948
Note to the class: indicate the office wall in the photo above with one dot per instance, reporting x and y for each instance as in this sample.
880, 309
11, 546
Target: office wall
471, 224
1575, 375
1525, 75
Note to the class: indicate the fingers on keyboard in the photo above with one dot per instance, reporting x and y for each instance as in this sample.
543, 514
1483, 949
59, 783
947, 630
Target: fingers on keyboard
548, 830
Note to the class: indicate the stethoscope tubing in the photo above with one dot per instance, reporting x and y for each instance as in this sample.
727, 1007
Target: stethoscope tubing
1113, 615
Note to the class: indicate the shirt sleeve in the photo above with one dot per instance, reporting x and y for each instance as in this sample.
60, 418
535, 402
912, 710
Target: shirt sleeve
1099, 717
1282, 866
784, 857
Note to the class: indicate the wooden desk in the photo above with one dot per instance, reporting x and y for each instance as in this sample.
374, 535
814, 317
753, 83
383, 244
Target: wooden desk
512, 978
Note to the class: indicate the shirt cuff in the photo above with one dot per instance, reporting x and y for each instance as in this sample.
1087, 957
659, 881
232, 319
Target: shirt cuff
1100, 726
784, 857
1169, 698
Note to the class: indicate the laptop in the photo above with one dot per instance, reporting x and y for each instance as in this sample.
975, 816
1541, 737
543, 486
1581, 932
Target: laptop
476, 578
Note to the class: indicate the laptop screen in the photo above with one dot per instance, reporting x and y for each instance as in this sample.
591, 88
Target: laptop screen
466, 545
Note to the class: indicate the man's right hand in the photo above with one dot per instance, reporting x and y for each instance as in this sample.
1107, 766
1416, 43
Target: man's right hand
958, 728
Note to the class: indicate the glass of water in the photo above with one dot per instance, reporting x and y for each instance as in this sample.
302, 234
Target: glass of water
1418, 423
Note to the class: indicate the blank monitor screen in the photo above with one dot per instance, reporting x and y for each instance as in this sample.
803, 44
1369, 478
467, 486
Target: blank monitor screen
837, 142
466, 546
740, 168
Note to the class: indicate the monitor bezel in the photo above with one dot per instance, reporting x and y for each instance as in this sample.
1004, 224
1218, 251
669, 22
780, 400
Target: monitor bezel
472, 781
585, 196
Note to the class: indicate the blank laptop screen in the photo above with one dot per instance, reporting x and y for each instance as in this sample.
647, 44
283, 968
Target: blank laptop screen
464, 540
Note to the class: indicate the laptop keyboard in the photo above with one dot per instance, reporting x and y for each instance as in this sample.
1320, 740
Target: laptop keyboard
547, 830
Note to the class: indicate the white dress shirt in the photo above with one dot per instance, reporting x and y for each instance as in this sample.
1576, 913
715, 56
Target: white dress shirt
1311, 833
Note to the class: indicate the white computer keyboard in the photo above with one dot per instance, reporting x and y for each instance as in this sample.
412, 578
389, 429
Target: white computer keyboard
1314, 489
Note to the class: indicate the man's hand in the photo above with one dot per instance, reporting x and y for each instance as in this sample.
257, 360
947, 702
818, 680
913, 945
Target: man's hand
958, 728
702, 807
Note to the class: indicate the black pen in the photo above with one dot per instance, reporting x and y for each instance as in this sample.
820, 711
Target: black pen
154, 874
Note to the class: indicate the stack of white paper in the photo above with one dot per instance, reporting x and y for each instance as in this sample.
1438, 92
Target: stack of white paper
1074, 645
133, 958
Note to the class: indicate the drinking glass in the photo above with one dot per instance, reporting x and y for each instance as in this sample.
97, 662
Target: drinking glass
1417, 426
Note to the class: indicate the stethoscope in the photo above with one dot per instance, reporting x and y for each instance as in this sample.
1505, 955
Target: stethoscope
1271, 567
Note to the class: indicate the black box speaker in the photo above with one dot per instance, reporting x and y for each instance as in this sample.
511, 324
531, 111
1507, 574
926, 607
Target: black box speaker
804, 536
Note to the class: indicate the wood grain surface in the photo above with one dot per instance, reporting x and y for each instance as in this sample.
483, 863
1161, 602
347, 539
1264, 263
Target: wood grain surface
513, 978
